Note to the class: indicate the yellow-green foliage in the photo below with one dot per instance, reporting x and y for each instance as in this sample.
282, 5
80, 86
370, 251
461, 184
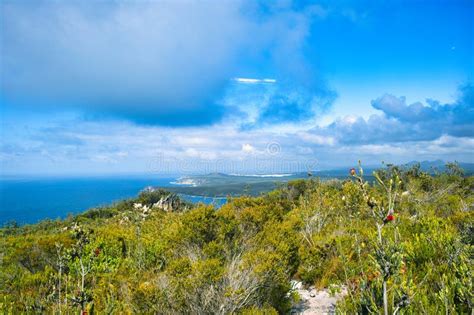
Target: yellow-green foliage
240, 258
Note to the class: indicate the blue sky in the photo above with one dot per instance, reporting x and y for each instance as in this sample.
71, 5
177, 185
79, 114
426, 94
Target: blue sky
238, 86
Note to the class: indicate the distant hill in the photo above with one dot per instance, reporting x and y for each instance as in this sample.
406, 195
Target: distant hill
440, 165
222, 185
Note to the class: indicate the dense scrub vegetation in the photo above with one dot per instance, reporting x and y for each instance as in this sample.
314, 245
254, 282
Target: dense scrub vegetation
406, 240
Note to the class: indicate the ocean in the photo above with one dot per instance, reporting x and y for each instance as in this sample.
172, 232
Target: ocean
29, 200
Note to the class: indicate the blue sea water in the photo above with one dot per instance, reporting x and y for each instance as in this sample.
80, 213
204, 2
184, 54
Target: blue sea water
31, 200
216, 201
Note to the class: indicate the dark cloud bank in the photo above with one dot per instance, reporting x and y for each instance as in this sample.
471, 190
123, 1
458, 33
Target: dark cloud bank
161, 63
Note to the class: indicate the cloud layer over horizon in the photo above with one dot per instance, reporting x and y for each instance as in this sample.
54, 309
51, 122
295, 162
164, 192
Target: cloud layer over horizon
428, 133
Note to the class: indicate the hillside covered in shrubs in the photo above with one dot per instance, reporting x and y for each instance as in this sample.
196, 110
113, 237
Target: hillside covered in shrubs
402, 244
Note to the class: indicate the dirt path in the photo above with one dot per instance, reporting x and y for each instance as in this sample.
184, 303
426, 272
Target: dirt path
316, 302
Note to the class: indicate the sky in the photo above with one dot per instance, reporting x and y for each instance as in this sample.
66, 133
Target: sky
187, 86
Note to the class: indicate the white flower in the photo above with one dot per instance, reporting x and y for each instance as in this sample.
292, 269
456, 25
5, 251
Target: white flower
137, 205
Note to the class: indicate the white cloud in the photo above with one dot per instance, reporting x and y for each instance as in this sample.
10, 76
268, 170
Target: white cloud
316, 139
254, 81
106, 148
350, 119
248, 148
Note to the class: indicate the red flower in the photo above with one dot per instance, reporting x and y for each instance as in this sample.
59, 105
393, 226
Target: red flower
389, 218
353, 171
